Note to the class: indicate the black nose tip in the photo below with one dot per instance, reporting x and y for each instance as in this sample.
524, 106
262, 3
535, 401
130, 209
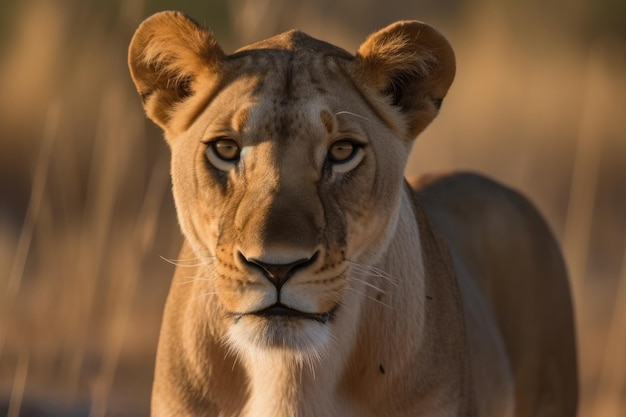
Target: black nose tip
278, 274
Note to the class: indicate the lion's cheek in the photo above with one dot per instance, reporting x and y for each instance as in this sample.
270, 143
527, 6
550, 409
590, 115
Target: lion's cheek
362, 232
200, 226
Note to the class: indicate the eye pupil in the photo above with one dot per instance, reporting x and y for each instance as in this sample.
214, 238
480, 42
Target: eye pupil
341, 151
226, 149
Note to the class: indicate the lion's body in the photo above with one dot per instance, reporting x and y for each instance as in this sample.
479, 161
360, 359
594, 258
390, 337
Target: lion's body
506, 256
312, 282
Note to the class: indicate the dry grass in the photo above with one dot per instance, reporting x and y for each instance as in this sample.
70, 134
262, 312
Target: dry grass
85, 208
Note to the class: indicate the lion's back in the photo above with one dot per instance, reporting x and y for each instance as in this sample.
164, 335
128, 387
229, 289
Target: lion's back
500, 241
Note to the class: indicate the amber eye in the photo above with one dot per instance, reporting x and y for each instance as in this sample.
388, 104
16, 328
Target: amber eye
345, 155
223, 153
342, 151
226, 149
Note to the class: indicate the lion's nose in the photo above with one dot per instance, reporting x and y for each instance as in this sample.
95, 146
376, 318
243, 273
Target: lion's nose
278, 274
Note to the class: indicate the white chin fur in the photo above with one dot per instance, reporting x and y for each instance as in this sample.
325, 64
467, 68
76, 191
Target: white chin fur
303, 341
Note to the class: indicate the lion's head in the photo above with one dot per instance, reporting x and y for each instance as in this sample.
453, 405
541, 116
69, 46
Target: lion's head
287, 164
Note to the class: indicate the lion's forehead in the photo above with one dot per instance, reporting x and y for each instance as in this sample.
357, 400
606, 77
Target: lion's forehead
290, 105
273, 98
293, 124
288, 76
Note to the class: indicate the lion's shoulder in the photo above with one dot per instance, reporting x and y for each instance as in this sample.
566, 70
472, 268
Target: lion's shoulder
467, 197
490, 221
499, 240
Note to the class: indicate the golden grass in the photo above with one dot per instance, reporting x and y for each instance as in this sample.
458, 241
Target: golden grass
81, 282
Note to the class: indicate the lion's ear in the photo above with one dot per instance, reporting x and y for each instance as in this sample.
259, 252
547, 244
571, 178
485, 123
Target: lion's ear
413, 65
169, 56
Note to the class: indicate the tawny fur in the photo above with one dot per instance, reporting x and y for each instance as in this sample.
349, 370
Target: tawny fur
446, 299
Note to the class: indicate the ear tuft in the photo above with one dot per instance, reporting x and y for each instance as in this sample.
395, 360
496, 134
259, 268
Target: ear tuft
413, 65
168, 55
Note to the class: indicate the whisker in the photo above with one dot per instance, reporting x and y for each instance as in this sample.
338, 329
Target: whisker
203, 295
195, 258
352, 114
177, 262
366, 269
370, 297
367, 284
210, 293
231, 350
196, 279
371, 269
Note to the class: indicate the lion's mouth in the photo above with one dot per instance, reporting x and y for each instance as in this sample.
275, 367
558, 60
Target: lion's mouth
281, 311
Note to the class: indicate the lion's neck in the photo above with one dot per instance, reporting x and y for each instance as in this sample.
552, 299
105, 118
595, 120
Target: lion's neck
280, 387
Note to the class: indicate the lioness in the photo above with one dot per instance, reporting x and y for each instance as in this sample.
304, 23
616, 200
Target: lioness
312, 280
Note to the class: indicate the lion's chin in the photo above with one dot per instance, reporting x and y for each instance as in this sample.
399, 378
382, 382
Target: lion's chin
299, 338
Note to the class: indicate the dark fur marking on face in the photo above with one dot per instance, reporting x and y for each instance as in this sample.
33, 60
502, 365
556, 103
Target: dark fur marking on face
287, 95
328, 121
437, 102
145, 96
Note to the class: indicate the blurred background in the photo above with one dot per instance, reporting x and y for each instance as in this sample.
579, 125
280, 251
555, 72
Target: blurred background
85, 205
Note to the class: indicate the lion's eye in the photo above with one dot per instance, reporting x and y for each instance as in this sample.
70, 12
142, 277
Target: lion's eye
345, 155
227, 149
341, 151
223, 153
